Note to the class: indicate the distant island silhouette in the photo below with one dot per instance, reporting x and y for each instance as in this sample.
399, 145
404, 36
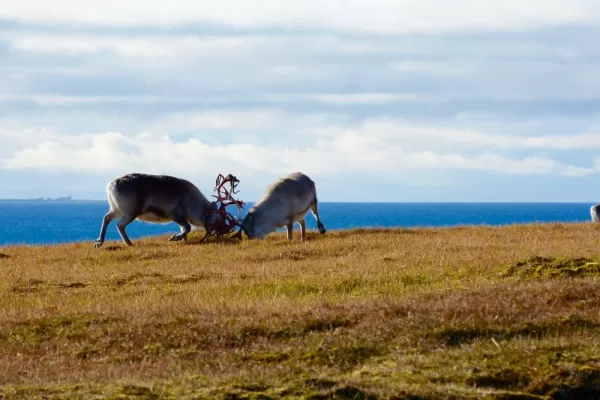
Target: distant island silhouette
66, 198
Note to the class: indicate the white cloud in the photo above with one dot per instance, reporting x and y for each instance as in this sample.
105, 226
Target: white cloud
418, 137
274, 126
322, 98
364, 98
132, 46
258, 121
342, 153
331, 68
188, 45
222, 120
358, 15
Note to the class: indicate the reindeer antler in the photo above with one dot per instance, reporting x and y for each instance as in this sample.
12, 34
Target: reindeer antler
224, 196
233, 181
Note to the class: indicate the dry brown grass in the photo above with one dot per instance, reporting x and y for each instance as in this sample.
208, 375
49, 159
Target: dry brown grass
465, 312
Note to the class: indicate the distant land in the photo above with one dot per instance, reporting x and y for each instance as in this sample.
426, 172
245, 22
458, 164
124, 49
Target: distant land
66, 198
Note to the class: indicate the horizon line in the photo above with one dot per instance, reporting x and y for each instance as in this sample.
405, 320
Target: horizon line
54, 200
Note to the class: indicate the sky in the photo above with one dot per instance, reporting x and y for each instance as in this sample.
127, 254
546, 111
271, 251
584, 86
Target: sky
375, 100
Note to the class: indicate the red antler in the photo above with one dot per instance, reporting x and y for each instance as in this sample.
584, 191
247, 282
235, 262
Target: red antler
226, 199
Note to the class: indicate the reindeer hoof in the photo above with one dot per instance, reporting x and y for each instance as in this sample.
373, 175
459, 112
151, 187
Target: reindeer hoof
177, 238
237, 235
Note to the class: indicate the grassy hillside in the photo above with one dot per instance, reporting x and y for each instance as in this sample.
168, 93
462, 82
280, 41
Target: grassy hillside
465, 312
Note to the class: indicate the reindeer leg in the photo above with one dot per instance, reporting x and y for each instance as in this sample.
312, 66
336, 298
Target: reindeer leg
121, 225
315, 211
302, 230
112, 214
205, 236
185, 229
237, 235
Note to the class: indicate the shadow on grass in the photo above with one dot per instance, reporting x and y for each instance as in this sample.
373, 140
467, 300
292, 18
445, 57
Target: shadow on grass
551, 267
581, 382
458, 336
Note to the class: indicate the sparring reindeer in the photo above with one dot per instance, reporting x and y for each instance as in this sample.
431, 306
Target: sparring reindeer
285, 202
159, 199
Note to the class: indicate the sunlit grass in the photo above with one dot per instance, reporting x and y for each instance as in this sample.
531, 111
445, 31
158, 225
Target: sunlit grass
470, 312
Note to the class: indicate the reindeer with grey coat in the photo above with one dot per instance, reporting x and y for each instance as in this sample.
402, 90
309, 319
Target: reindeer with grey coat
285, 202
595, 212
158, 199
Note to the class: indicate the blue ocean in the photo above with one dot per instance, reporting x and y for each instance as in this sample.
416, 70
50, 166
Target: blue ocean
48, 222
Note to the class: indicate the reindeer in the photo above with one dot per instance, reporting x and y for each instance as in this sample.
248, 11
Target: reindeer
285, 202
595, 212
158, 199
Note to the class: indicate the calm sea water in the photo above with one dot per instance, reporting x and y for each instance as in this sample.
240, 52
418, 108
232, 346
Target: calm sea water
33, 222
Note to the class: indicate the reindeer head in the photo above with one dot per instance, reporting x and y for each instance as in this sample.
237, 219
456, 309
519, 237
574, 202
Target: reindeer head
212, 217
252, 227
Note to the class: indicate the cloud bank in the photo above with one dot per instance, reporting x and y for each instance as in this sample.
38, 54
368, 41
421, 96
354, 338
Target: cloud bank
378, 146
476, 97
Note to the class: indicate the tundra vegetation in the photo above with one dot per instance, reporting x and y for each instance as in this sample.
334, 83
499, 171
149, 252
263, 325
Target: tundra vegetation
431, 313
